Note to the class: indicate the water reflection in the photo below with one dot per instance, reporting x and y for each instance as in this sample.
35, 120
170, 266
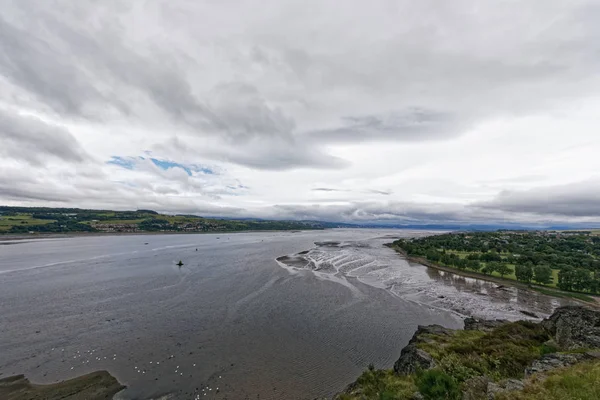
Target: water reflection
498, 293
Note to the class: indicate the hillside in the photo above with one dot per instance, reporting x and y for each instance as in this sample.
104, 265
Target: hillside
23, 220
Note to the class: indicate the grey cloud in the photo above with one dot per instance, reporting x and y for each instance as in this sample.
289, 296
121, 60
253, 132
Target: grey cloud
34, 141
33, 63
406, 213
324, 189
580, 199
392, 212
105, 194
373, 191
259, 153
90, 72
245, 114
11, 192
412, 124
382, 192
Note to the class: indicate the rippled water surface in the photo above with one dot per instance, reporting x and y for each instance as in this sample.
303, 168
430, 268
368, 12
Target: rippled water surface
276, 315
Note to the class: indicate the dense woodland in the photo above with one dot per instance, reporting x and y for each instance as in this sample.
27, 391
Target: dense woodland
567, 260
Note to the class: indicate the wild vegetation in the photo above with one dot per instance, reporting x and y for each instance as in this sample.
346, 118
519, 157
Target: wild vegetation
19, 220
569, 261
467, 364
580, 382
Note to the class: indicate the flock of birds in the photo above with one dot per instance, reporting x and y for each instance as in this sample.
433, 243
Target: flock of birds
93, 355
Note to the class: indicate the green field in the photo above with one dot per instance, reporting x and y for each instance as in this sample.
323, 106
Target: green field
7, 222
116, 221
511, 276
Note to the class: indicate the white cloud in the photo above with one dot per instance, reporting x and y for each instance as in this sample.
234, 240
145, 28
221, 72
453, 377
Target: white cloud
396, 111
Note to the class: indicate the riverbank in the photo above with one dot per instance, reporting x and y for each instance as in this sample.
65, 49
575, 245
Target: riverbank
580, 297
96, 385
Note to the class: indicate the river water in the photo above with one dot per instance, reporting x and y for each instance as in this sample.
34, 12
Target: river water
274, 315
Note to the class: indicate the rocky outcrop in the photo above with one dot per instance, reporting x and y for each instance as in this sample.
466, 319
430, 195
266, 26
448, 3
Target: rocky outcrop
474, 324
483, 388
574, 327
413, 359
509, 385
569, 328
549, 362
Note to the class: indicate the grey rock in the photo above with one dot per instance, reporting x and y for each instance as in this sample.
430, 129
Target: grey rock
574, 327
413, 359
593, 354
492, 390
475, 388
555, 360
513, 384
509, 385
474, 324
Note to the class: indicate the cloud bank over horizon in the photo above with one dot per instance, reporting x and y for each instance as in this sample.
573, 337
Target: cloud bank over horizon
389, 111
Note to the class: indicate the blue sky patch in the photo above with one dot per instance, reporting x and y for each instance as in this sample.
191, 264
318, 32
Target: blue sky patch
166, 164
130, 162
124, 162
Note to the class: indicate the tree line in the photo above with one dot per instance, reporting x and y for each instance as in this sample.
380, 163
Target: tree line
531, 256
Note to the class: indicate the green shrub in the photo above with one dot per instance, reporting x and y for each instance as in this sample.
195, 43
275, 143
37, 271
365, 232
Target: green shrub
380, 385
457, 368
548, 348
437, 385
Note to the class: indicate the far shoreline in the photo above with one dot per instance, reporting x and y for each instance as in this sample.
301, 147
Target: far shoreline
67, 235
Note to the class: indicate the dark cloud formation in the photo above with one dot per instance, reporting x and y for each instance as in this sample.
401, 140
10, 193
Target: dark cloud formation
413, 124
581, 199
29, 139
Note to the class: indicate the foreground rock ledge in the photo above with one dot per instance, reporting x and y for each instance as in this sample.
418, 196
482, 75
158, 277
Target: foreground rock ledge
571, 327
573, 334
94, 386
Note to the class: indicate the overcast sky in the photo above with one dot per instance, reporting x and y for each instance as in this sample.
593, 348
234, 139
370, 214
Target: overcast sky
396, 111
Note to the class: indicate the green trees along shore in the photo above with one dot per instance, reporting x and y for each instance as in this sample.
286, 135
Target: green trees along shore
569, 261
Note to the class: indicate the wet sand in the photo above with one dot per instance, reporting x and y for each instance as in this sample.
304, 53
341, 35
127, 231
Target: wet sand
97, 385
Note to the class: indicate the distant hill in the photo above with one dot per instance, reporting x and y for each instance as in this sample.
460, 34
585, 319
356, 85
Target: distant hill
22, 220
